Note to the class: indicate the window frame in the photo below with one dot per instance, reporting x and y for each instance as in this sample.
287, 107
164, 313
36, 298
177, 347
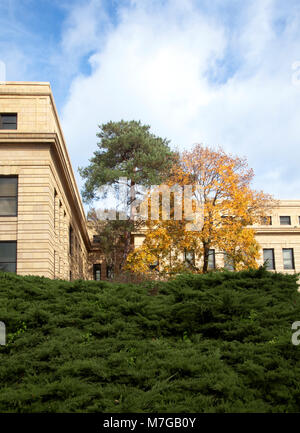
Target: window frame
16, 255
228, 265
71, 240
266, 221
1, 122
154, 266
211, 252
285, 216
293, 259
96, 239
3, 176
273, 258
96, 267
192, 261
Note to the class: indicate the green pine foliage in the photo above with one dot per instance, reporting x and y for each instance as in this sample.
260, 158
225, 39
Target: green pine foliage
127, 149
219, 342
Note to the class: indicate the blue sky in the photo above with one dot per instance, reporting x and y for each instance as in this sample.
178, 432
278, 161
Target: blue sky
217, 72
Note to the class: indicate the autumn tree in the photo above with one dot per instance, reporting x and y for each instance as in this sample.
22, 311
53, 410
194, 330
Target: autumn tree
221, 184
128, 150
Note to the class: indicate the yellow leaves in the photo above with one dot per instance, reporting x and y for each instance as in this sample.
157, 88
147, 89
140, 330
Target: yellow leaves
230, 206
139, 260
242, 248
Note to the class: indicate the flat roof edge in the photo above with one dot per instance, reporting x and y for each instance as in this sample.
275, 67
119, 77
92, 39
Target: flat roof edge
24, 83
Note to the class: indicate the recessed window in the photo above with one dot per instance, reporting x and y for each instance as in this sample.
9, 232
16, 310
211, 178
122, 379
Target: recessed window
266, 221
285, 220
96, 239
71, 240
8, 195
8, 256
228, 262
211, 259
269, 261
189, 257
288, 258
97, 271
154, 266
8, 121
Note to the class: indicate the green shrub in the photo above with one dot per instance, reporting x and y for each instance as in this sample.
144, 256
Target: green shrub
219, 342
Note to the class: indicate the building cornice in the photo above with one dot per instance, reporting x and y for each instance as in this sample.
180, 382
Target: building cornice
275, 230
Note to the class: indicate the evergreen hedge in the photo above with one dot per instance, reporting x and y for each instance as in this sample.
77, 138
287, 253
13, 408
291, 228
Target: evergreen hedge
219, 342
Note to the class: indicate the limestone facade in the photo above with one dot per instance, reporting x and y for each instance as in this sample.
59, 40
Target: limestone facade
278, 237
282, 234
49, 228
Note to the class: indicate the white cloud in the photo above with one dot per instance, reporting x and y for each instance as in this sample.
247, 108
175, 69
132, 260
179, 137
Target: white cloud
83, 28
154, 65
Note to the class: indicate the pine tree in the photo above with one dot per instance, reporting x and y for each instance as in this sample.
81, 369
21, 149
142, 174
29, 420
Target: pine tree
127, 149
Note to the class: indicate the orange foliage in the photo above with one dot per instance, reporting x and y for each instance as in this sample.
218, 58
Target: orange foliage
230, 206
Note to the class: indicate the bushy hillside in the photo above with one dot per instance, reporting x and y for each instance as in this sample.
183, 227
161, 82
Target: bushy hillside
219, 342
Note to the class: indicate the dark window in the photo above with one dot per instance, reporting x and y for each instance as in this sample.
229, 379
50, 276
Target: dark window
8, 121
269, 260
288, 258
97, 271
8, 256
266, 221
154, 266
96, 239
285, 220
211, 259
8, 195
228, 262
71, 240
189, 257
70, 275
109, 271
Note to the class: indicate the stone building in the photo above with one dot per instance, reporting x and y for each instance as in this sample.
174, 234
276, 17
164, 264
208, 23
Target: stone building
278, 236
43, 228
